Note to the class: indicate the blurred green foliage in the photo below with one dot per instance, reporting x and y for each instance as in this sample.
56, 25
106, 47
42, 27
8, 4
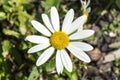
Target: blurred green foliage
117, 68
114, 26
15, 17
118, 3
48, 3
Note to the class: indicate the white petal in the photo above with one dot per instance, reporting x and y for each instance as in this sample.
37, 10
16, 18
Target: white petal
38, 48
37, 39
77, 23
45, 56
68, 20
59, 65
80, 28
77, 52
55, 18
47, 22
83, 46
82, 34
88, 10
66, 60
87, 3
38, 26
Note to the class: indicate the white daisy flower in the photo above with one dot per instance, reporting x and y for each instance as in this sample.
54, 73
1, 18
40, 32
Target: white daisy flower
85, 5
59, 39
86, 10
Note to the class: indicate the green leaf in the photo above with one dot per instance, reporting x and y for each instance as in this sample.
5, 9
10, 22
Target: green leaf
34, 75
49, 66
5, 47
2, 16
22, 29
49, 3
72, 75
11, 32
17, 56
118, 3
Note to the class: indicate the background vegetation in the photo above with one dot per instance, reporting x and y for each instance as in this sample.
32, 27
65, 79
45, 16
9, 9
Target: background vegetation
17, 64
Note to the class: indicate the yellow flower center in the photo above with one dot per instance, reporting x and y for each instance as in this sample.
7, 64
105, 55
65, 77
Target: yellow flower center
59, 40
86, 14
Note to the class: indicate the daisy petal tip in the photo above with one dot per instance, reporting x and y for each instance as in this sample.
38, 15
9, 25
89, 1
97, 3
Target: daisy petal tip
32, 21
29, 52
91, 48
71, 10
88, 60
53, 7
26, 38
37, 64
92, 31
43, 15
70, 70
59, 72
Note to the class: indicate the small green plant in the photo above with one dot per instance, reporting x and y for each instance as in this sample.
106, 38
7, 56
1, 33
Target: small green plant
117, 66
114, 26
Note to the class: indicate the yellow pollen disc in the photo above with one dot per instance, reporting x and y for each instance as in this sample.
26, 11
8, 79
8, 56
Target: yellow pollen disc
59, 40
